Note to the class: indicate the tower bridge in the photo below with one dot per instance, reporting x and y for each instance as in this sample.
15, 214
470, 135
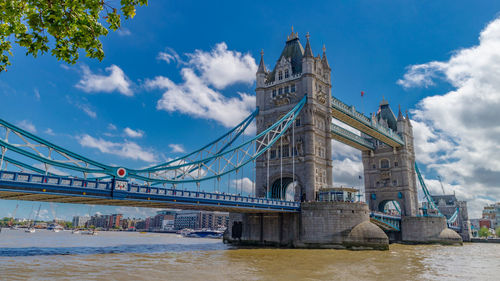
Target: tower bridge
290, 158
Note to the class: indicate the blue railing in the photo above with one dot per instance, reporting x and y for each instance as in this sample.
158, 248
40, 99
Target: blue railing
125, 188
391, 221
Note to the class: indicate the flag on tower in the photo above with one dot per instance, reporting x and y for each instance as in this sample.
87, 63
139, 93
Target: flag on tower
362, 93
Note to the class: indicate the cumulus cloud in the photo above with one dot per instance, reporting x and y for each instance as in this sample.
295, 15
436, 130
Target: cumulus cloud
27, 125
457, 133
126, 149
176, 148
115, 81
222, 67
244, 185
347, 165
133, 133
204, 75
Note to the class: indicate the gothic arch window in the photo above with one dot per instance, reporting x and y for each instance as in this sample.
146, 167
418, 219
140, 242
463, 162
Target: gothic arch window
384, 164
286, 73
280, 75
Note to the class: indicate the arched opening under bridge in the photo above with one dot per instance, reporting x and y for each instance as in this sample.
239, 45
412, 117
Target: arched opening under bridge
284, 189
391, 207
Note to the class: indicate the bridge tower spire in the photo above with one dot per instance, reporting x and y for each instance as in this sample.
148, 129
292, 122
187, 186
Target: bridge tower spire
296, 73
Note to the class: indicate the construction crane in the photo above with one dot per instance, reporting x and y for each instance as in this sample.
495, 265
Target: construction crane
11, 222
441, 182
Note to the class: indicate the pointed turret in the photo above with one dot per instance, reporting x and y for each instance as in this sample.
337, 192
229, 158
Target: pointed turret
307, 51
262, 66
408, 119
400, 114
324, 60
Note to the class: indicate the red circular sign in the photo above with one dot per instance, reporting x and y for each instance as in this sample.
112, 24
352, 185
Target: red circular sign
121, 172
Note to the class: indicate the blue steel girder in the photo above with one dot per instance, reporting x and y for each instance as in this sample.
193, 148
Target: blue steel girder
350, 138
224, 162
353, 118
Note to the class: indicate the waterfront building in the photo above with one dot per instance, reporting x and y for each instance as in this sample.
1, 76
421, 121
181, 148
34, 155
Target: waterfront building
99, 221
187, 219
114, 220
80, 221
201, 219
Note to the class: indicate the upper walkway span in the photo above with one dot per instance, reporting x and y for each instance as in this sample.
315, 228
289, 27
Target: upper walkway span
349, 115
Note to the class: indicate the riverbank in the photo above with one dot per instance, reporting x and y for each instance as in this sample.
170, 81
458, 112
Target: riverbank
482, 240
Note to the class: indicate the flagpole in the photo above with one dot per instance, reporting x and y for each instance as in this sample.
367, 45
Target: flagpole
362, 103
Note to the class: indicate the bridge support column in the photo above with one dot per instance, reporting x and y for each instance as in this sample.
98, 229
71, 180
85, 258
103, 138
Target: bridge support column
423, 230
337, 225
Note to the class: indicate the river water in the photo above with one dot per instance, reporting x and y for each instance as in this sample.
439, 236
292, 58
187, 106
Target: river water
47, 255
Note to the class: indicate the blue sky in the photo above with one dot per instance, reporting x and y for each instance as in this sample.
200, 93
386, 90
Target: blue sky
130, 109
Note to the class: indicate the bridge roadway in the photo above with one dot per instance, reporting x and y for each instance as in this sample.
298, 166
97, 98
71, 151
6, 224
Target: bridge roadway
36, 187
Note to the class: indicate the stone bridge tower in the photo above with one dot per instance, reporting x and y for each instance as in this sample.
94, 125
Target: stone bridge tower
390, 172
297, 73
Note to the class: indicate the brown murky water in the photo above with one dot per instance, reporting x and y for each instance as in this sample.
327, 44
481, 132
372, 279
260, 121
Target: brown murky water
123, 256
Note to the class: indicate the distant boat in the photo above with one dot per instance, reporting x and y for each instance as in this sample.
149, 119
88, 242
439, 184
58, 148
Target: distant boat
88, 232
30, 230
76, 231
204, 234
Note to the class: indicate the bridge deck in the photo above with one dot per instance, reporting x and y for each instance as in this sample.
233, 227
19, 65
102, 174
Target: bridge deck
31, 187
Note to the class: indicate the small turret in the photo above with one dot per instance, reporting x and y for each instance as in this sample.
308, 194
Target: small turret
308, 58
262, 71
307, 51
324, 60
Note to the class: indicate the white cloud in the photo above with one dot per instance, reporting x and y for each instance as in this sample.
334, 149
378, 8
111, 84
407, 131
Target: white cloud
126, 149
27, 125
196, 99
50, 132
176, 148
347, 165
123, 31
37, 94
244, 184
170, 55
115, 81
222, 67
111, 127
133, 133
85, 107
204, 75
457, 133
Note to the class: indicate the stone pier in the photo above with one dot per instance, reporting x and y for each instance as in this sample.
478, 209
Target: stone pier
333, 225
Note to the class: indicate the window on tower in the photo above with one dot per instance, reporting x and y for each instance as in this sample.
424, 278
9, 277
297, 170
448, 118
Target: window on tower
292, 88
274, 93
280, 91
286, 73
280, 75
384, 164
287, 90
